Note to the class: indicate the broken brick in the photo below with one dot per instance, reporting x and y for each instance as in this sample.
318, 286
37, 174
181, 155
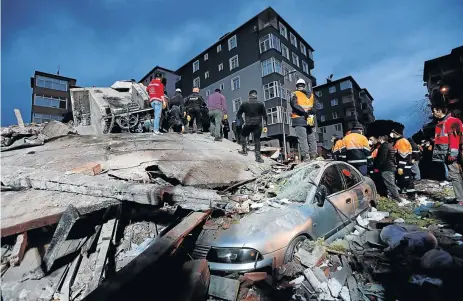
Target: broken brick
255, 276
89, 168
198, 278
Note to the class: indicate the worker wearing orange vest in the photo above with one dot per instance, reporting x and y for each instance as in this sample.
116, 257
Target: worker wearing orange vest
403, 150
336, 149
356, 149
303, 120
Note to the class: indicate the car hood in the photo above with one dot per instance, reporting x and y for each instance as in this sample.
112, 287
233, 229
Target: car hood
266, 230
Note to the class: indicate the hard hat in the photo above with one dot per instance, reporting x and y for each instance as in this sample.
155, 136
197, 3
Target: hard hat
178, 90
196, 90
300, 82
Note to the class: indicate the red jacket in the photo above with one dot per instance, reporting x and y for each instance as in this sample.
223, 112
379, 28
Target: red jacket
155, 90
447, 139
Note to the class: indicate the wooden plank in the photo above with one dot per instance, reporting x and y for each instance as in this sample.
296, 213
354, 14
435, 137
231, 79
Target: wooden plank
150, 256
19, 117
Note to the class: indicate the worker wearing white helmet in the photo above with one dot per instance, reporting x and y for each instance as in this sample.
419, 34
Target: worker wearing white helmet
303, 120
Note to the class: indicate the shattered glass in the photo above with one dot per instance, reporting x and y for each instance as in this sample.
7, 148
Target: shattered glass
295, 184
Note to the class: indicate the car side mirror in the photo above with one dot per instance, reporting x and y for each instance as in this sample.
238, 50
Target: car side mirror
320, 195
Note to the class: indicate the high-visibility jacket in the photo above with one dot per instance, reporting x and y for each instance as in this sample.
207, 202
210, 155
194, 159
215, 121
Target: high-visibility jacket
374, 153
336, 150
448, 138
403, 150
301, 103
356, 149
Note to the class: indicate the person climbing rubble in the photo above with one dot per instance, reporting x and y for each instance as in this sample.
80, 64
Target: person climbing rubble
254, 112
448, 147
303, 120
155, 91
356, 149
403, 151
193, 103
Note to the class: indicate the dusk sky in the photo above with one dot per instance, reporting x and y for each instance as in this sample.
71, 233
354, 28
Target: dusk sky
382, 44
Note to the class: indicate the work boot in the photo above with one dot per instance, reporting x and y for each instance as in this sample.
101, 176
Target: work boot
259, 158
218, 139
244, 150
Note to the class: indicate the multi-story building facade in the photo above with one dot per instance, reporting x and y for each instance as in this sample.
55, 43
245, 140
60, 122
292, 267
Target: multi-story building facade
265, 54
172, 79
443, 77
51, 99
341, 104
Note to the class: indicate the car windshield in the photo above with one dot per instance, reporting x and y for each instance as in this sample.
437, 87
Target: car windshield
295, 184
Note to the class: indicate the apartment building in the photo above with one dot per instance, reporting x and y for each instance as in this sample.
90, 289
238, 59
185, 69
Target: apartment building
265, 54
341, 104
51, 99
172, 79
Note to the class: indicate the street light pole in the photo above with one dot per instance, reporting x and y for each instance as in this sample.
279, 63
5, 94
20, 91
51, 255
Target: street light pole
283, 123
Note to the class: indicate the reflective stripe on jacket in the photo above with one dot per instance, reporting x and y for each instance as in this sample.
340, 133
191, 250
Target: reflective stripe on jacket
301, 103
337, 150
447, 138
356, 149
403, 150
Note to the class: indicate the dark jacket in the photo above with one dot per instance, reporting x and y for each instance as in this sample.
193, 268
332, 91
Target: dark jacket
194, 101
385, 159
416, 153
225, 126
254, 111
178, 101
297, 109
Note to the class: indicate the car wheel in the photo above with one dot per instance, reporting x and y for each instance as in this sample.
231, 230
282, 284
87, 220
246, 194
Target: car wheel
293, 248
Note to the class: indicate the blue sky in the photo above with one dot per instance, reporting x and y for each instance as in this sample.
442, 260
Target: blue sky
383, 44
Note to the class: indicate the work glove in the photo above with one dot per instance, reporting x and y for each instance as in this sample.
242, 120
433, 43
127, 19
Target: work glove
184, 114
264, 130
225, 117
400, 171
311, 120
451, 159
188, 117
413, 161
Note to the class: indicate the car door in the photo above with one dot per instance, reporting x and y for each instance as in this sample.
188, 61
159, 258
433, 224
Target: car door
356, 188
327, 219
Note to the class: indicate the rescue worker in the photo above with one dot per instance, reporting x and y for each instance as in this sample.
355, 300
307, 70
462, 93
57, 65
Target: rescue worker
384, 164
177, 100
303, 120
254, 112
217, 105
448, 147
416, 156
356, 149
374, 146
403, 151
176, 111
193, 104
225, 127
155, 91
336, 149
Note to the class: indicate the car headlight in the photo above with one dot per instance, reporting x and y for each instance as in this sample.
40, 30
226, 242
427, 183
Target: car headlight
233, 255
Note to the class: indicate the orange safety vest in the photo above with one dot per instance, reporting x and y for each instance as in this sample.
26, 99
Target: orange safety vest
302, 100
375, 152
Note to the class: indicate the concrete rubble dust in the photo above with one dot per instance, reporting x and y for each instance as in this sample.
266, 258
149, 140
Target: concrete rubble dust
121, 219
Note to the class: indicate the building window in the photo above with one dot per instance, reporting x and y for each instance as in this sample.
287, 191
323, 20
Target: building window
206, 56
338, 127
347, 84
195, 66
335, 115
322, 118
269, 41
310, 54
334, 102
235, 83
287, 74
41, 118
232, 43
303, 49
196, 82
51, 102
305, 67
220, 67
234, 62
293, 39
208, 92
283, 31
323, 130
333, 89
347, 99
284, 51
295, 59
319, 105
206, 74
219, 48
319, 93
271, 65
222, 86
350, 112
236, 104
272, 116
272, 90
51, 83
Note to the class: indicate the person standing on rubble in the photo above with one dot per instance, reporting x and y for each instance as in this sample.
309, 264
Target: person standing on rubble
448, 146
303, 120
356, 149
194, 102
176, 111
416, 156
254, 112
384, 165
403, 151
217, 105
155, 91
225, 127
